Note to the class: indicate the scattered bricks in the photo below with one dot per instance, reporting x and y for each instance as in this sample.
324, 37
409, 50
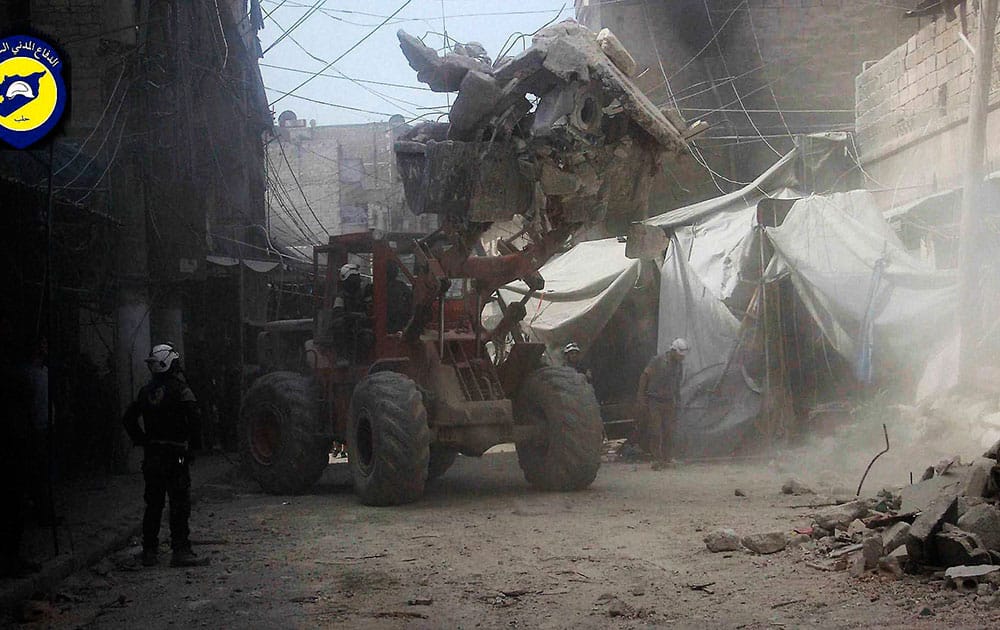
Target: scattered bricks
955, 547
871, 550
795, 487
979, 478
983, 520
841, 515
771, 542
894, 537
944, 509
722, 540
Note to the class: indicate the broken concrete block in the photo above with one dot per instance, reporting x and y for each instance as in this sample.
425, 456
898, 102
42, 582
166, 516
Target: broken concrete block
895, 536
871, 550
916, 497
979, 478
983, 520
965, 503
954, 547
799, 540
616, 52
477, 96
993, 452
970, 578
796, 487
856, 564
841, 515
722, 540
890, 567
771, 542
857, 528
944, 509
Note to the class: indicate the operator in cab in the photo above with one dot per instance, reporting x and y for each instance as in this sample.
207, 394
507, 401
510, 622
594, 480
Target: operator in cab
352, 316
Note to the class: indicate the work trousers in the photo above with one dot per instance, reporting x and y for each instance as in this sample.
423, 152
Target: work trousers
661, 419
166, 475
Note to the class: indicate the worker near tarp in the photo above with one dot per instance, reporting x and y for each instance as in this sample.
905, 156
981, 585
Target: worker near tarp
573, 356
351, 316
170, 431
659, 395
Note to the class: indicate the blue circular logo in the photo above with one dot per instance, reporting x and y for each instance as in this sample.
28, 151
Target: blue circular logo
32, 91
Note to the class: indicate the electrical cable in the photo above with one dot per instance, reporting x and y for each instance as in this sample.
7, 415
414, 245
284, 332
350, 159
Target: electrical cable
302, 192
343, 54
299, 22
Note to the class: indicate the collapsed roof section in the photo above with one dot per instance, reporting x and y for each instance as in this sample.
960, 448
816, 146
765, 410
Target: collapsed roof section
559, 132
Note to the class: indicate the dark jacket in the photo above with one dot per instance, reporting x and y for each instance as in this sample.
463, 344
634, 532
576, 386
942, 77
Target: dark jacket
170, 415
661, 380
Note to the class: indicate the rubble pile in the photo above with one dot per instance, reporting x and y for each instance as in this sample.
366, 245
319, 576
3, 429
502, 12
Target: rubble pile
947, 524
560, 128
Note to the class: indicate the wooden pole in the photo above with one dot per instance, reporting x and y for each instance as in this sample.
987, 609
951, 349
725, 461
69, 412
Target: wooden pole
973, 196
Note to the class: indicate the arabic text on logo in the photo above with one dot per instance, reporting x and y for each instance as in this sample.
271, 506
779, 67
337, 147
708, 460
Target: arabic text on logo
32, 90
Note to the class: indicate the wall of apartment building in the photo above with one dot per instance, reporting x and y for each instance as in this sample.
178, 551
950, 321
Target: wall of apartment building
794, 63
345, 180
912, 109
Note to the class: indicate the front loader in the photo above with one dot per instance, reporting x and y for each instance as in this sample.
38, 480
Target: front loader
556, 140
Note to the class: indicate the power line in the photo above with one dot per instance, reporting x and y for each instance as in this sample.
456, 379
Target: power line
327, 103
299, 186
299, 22
345, 77
345, 53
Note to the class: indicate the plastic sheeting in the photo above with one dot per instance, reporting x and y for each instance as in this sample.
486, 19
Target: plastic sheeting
583, 288
832, 247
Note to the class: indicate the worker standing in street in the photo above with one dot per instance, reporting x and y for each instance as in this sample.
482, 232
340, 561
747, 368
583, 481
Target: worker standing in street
659, 395
170, 431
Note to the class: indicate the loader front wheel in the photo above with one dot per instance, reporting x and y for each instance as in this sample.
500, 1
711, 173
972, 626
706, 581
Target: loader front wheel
388, 441
567, 454
280, 441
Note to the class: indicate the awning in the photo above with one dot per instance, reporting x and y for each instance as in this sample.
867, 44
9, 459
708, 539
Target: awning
259, 266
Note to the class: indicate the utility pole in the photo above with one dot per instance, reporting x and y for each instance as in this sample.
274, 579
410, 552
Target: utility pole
973, 196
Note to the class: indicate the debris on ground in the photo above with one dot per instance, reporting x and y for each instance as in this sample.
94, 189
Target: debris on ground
946, 526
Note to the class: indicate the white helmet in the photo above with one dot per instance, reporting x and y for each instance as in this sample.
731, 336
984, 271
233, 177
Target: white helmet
161, 358
348, 270
680, 346
571, 347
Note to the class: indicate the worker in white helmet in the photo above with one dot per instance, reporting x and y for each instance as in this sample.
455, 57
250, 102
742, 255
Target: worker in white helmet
573, 356
170, 431
659, 396
352, 310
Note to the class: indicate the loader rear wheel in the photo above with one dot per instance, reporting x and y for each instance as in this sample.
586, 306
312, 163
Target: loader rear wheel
388, 442
567, 455
441, 460
280, 442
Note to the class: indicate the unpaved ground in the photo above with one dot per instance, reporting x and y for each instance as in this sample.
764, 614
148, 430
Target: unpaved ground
629, 547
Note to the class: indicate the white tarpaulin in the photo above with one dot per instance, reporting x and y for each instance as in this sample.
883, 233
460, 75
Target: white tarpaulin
583, 288
859, 282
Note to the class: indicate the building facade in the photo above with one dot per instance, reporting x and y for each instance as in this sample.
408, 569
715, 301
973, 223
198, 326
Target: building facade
759, 71
335, 179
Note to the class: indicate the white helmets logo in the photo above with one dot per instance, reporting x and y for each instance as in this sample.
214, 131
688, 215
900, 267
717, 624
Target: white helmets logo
348, 270
161, 358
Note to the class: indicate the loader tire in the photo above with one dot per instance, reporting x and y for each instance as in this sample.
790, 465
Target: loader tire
441, 460
388, 441
279, 438
567, 455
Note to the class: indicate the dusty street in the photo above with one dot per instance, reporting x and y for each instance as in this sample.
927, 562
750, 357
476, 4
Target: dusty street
484, 550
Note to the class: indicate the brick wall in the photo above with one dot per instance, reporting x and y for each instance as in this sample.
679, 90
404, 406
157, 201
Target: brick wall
911, 108
796, 56
316, 154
